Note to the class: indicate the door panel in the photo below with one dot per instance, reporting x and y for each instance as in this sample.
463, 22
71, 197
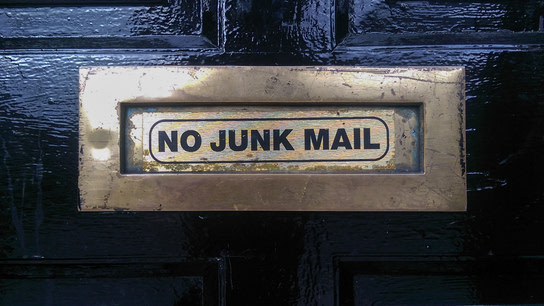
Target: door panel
490, 254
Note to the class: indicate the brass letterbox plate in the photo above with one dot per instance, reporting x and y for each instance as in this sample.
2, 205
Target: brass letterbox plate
272, 139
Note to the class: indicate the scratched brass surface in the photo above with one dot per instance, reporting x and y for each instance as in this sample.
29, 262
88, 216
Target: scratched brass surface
126, 165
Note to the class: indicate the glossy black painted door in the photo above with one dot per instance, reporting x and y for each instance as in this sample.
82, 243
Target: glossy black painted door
51, 254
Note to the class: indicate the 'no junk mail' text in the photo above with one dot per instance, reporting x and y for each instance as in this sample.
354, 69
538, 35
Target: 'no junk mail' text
300, 139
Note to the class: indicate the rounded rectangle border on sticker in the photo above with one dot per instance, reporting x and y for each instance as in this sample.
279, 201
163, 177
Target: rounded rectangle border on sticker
261, 140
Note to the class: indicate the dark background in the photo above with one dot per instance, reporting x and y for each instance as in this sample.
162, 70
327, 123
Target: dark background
51, 254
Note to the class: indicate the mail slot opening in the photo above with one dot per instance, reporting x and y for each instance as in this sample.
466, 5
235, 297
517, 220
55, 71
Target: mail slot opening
271, 139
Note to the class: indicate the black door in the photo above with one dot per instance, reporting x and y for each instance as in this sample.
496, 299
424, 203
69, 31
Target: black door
52, 254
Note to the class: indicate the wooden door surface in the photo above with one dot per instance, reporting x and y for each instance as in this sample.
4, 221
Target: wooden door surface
53, 254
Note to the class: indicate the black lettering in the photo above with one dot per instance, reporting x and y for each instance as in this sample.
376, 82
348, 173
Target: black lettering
232, 141
263, 141
341, 140
171, 142
311, 140
281, 139
222, 142
367, 142
356, 138
196, 144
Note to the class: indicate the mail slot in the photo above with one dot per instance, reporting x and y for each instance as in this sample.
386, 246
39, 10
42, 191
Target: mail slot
278, 139
272, 138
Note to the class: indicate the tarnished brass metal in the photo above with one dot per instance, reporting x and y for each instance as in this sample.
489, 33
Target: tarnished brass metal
272, 138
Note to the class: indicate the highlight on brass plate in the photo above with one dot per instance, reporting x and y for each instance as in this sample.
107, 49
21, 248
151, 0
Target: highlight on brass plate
272, 138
